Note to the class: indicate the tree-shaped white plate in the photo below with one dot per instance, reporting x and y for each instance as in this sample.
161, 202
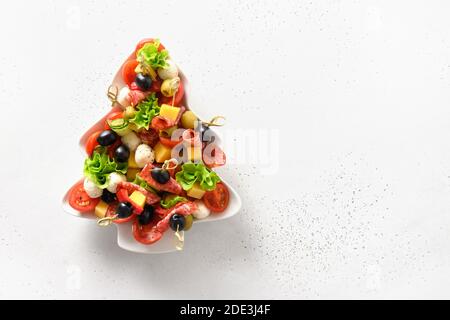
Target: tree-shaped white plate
125, 237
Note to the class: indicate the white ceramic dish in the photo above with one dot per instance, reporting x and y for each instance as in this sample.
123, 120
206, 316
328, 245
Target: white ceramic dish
125, 237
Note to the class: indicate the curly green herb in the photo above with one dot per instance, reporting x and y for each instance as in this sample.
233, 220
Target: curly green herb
98, 167
191, 173
146, 110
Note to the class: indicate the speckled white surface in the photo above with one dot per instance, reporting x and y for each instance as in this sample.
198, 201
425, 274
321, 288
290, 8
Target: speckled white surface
357, 91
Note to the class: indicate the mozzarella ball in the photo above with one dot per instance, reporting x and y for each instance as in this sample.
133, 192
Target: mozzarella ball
91, 189
113, 180
168, 72
131, 140
202, 211
144, 154
123, 97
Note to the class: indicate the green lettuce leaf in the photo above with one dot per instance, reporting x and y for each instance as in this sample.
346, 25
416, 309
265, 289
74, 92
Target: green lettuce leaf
191, 173
98, 167
172, 202
150, 56
146, 110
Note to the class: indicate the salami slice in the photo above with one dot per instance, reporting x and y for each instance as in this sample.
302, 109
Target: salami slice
171, 186
183, 208
162, 123
154, 231
136, 96
150, 136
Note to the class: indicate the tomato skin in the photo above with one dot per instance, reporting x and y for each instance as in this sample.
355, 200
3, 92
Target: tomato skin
91, 142
178, 97
146, 234
217, 199
79, 200
128, 73
112, 116
144, 41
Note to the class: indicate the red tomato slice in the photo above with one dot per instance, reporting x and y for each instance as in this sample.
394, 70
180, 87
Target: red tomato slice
146, 234
91, 142
178, 97
128, 74
79, 200
143, 42
217, 199
113, 116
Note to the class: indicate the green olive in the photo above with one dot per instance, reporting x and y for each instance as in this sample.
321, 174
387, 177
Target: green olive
129, 113
189, 222
170, 86
188, 120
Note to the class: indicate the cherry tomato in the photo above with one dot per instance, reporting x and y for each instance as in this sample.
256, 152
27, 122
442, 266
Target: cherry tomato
128, 74
217, 199
79, 199
178, 97
146, 234
143, 42
113, 116
91, 142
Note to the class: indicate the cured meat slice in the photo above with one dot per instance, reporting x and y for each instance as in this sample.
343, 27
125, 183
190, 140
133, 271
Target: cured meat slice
162, 123
150, 136
183, 208
171, 186
153, 232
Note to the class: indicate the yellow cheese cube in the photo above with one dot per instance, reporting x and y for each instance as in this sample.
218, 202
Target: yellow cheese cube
132, 172
138, 198
169, 112
196, 191
162, 153
132, 162
195, 154
100, 209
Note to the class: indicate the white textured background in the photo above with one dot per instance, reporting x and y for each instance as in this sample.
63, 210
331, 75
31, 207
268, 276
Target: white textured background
359, 92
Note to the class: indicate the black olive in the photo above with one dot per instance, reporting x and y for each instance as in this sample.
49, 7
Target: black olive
108, 197
177, 222
160, 175
106, 138
122, 153
124, 210
147, 215
143, 82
